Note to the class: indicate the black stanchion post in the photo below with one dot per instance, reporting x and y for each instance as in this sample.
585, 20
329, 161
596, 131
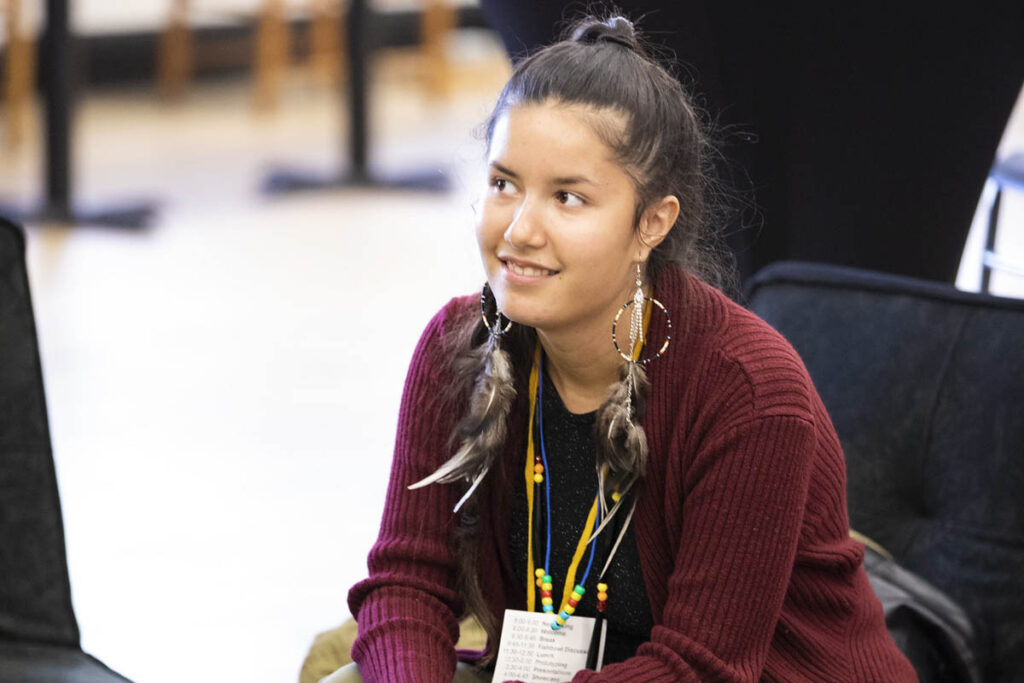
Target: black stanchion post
59, 97
358, 54
60, 83
364, 29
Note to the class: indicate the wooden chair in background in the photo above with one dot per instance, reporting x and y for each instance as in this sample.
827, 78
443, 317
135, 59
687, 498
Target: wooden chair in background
19, 74
438, 23
271, 46
174, 58
324, 55
179, 55
328, 57
272, 54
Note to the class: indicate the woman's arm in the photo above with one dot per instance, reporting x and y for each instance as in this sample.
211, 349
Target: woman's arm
745, 495
407, 609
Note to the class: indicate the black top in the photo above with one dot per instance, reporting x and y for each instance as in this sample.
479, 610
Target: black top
569, 441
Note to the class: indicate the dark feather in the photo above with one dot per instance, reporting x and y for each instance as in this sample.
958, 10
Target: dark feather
484, 427
619, 437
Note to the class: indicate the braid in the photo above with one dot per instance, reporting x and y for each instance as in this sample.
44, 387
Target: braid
482, 430
619, 438
473, 377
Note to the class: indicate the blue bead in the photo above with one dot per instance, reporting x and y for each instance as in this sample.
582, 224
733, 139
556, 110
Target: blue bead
549, 609
555, 626
564, 615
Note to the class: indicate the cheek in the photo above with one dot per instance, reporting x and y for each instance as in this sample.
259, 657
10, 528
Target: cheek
603, 251
490, 228
492, 221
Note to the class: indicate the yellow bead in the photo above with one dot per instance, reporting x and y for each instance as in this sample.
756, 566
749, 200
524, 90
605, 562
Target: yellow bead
602, 596
577, 596
539, 573
560, 620
616, 496
538, 478
602, 587
546, 586
545, 601
569, 609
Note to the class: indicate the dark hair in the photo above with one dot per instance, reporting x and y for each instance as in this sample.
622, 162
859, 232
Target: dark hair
604, 66
657, 138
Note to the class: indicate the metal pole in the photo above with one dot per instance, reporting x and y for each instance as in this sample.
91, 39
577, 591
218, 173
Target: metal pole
358, 51
59, 98
990, 240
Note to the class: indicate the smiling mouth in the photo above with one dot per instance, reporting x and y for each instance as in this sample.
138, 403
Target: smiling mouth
528, 271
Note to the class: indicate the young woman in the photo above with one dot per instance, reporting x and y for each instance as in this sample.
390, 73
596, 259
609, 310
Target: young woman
629, 445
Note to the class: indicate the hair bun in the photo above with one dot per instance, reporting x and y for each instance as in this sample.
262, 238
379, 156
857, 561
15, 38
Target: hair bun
618, 30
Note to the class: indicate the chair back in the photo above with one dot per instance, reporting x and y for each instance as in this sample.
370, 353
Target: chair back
35, 596
925, 386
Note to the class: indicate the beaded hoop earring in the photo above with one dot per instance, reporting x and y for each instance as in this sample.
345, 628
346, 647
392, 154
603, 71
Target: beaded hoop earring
496, 328
668, 336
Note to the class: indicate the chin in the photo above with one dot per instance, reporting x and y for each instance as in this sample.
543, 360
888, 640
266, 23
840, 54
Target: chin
519, 310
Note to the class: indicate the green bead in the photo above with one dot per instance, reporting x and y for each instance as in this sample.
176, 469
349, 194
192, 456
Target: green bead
547, 578
580, 589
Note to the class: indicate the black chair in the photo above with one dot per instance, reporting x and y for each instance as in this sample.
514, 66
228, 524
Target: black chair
39, 639
925, 386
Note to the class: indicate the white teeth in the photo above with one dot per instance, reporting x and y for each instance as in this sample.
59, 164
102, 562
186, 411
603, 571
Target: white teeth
526, 270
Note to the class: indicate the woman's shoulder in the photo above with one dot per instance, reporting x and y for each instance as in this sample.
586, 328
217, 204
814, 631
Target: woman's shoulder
439, 342
447, 323
456, 314
748, 360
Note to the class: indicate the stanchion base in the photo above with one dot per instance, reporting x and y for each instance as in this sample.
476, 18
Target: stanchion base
132, 216
289, 181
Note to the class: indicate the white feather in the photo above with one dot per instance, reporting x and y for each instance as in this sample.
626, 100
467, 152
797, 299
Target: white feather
467, 494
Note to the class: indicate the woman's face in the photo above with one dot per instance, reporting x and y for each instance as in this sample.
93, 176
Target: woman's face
556, 227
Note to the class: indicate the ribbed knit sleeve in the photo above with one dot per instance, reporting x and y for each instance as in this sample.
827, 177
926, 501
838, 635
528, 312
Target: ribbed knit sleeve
407, 608
741, 522
742, 526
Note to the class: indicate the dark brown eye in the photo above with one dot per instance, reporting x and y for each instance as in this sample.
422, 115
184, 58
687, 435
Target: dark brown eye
500, 184
568, 198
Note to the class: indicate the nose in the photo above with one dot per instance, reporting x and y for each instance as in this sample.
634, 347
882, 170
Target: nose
526, 228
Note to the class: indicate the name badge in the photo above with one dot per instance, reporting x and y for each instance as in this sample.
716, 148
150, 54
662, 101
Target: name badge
531, 651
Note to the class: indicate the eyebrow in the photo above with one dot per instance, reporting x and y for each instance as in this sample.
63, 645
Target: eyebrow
567, 180
501, 169
573, 180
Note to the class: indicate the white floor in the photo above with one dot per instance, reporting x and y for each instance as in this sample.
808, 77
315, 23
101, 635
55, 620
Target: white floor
223, 387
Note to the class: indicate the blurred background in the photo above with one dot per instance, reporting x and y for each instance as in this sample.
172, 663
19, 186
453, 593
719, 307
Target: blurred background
224, 344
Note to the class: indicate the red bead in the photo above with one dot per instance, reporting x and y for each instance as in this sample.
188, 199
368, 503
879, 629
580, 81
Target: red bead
573, 602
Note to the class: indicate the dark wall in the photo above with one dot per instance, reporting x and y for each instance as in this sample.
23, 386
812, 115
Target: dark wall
862, 132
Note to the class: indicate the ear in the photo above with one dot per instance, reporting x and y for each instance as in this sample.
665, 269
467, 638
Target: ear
655, 223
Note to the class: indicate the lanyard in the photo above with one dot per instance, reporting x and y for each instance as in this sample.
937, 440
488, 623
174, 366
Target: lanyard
593, 517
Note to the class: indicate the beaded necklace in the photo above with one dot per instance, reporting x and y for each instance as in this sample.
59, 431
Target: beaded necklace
536, 466
570, 599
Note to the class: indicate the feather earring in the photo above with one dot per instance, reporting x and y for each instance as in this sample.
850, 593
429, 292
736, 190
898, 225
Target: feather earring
484, 427
621, 441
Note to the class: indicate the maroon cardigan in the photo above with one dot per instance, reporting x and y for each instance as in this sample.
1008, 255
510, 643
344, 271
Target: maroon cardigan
741, 524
